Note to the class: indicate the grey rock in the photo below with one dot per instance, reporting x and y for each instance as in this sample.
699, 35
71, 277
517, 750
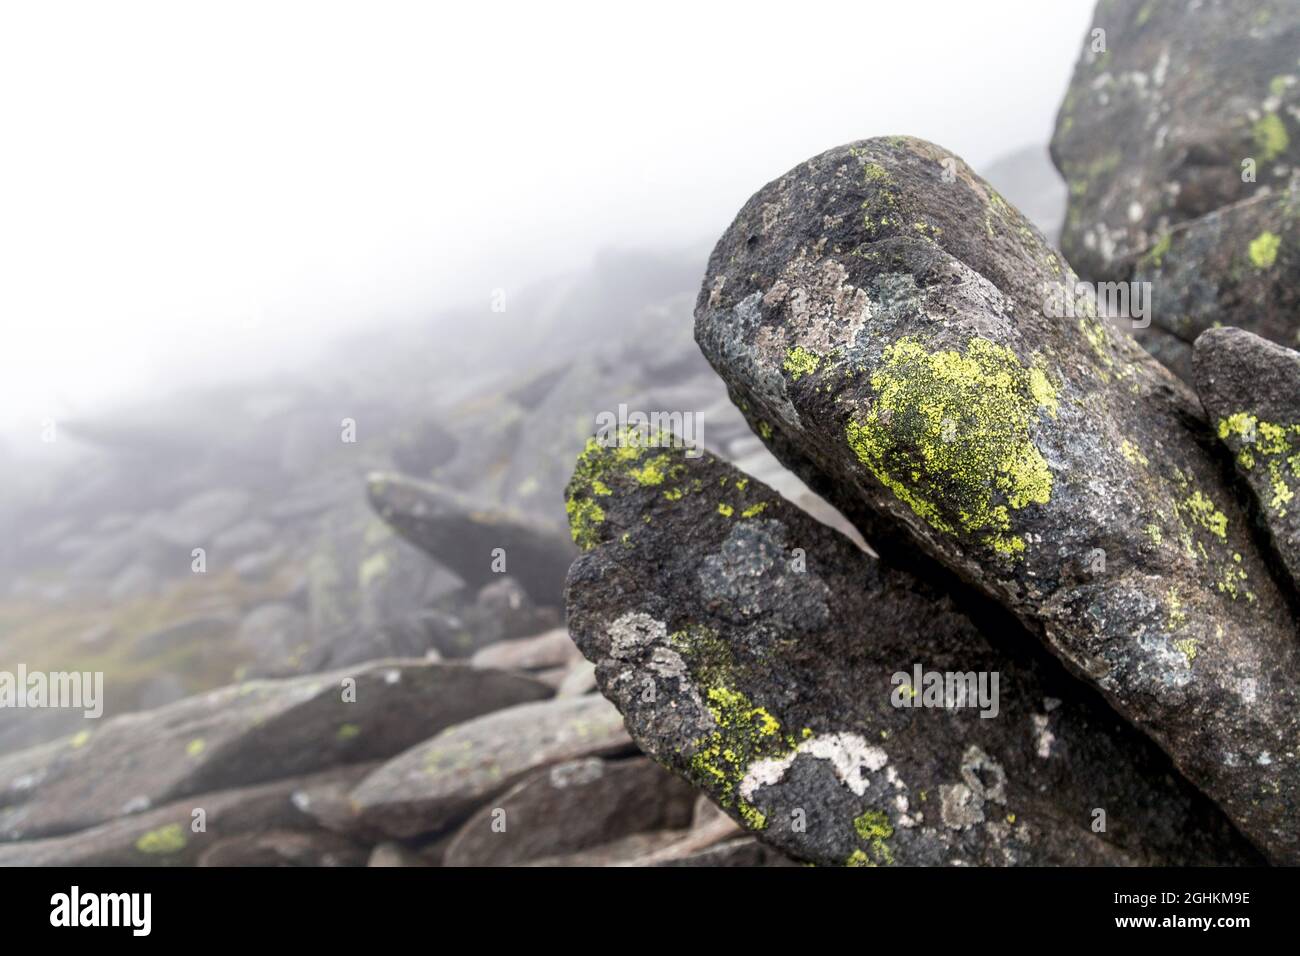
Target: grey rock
1237, 266
434, 783
275, 637
170, 835
1251, 389
242, 735
1154, 131
463, 535
569, 807
284, 848
542, 652
910, 372
754, 651
391, 854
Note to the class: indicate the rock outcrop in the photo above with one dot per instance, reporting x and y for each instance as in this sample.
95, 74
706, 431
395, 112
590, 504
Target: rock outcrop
1174, 111
878, 314
757, 653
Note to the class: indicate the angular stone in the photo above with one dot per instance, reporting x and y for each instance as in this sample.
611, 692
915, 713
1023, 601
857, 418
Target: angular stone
912, 374
1154, 131
541, 652
166, 836
1251, 390
1238, 266
242, 735
434, 783
919, 381
463, 534
754, 651
570, 807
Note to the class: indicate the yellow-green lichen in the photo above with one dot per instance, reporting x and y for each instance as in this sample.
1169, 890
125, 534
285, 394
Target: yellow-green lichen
1188, 649
800, 362
725, 509
873, 827
347, 732
596, 466
195, 747
949, 435
164, 840
1202, 510
1271, 138
1263, 249
754, 510
1132, 454
744, 734
1156, 255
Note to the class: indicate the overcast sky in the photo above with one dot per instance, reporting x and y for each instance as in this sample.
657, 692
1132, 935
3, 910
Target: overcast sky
189, 189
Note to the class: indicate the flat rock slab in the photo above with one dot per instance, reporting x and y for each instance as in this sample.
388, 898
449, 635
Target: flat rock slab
242, 735
914, 372
754, 651
463, 535
1238, 266
572, 806
1251, 390
168, 835
434, 783
1156, 127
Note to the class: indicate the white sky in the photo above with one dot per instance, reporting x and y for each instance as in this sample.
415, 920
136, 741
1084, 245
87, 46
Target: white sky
189, 190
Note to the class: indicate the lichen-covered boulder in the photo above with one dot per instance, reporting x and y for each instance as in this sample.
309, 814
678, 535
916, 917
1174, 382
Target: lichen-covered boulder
474, 540
1238, 266
755, 651
878, 314
1166, 105
1251, 389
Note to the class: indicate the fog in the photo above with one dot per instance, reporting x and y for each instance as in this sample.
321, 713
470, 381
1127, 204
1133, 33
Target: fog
197, 193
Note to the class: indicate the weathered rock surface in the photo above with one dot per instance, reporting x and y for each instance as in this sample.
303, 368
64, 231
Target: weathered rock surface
569, 807
1251, 389
284, 848
886, 328
753, 651
541, 652
243, 735
1155, 129
1238, 266
167, 836
463, 535
435, 782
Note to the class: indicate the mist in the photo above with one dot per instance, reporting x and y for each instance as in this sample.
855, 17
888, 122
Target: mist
202, 195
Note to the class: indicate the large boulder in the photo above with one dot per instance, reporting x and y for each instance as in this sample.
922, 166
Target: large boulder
878, 313
1251, 390
755, 652
1156, 126
243, 735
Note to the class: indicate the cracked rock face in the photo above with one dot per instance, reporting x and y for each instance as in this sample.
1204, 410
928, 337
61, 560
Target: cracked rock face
879, 316
754, 651
1167, 103
1251, 391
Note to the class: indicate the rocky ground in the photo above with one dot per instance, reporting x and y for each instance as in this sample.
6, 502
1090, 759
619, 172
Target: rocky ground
352, 615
